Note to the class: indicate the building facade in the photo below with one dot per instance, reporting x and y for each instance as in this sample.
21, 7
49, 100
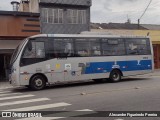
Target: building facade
15, 26
61, 16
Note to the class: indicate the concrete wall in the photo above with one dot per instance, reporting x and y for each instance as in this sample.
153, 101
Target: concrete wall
34, 6
31, 6
24, 7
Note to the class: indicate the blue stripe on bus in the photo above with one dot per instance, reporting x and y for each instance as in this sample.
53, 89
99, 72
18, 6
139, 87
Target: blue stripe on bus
104, 67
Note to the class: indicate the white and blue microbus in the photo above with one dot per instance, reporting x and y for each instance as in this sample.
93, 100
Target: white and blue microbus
51, 58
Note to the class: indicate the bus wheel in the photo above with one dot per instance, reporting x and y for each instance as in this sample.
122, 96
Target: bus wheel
38, 82
115, 76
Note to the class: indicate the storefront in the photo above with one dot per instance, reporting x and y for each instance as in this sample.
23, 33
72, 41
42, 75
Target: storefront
156, 49
4, 62
6, 49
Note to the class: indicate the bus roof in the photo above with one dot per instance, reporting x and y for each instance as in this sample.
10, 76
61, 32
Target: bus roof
88, 35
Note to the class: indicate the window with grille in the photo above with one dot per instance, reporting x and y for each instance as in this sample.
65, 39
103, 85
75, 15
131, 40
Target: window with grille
76, 16
53, 16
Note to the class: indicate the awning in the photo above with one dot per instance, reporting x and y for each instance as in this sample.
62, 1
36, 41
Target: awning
7, 46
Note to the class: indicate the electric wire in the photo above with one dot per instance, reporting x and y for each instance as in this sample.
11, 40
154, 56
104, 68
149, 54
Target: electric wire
145, 10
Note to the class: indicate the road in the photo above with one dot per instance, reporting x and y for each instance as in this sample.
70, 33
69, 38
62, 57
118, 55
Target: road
131, 94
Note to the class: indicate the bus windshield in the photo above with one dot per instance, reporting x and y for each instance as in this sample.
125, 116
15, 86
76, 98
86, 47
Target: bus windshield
17, 51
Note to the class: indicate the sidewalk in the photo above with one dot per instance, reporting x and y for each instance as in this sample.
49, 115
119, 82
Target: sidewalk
155, 73
5, 85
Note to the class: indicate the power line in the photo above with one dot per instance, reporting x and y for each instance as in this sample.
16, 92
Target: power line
145, 9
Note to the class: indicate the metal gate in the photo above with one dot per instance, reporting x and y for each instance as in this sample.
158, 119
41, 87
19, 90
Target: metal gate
4, 66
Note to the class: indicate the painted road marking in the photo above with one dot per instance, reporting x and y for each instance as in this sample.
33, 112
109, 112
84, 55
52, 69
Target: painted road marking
3, 88
85, 110
2, 92
10, 94
23, 101
14, 97
40, 107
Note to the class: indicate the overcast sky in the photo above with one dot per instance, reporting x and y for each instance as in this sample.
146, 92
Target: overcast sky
117, 11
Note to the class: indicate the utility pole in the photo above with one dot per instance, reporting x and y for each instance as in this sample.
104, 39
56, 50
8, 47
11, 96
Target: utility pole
143, 14
138, 23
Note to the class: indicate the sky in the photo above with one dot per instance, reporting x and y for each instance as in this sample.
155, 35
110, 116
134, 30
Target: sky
116, 11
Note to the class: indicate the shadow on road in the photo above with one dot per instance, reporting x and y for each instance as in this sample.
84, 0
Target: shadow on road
134, 79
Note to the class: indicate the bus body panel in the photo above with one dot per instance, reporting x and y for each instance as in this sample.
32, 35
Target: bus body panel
82, 69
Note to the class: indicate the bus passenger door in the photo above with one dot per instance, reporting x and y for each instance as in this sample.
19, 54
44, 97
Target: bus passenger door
58, 72
77, 61
63, 48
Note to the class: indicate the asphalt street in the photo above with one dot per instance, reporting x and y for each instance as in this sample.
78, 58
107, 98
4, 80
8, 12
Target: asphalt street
138, 93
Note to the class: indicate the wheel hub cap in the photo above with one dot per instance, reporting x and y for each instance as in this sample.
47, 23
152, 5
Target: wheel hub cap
38, 82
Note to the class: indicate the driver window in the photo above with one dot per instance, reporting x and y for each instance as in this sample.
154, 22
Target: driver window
40, 51
34, 50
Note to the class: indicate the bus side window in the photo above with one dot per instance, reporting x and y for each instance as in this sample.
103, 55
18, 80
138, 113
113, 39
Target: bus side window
63, 47
40, 50
95, 48
113, 47
137, 47
49, 46
82, 48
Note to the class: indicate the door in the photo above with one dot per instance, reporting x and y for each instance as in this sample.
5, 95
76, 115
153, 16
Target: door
2, 70
63, 48
80, 64
73, 57
7, 58
155, 49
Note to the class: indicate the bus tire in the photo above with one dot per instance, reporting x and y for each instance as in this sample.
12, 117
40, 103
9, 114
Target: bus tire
37, 82
115, 76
